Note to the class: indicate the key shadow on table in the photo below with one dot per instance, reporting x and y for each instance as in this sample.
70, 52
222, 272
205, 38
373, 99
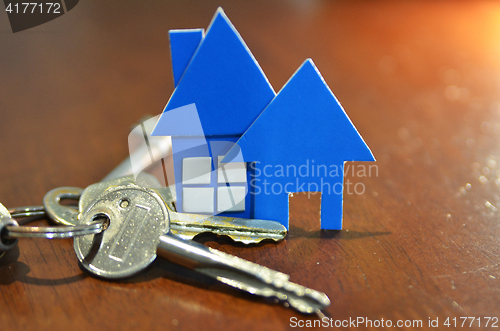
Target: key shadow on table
12, 270
296, 232
165, 269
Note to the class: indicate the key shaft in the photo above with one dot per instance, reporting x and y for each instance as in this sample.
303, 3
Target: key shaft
241, 274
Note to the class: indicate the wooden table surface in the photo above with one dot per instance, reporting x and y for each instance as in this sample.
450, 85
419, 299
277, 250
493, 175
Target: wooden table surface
421, 82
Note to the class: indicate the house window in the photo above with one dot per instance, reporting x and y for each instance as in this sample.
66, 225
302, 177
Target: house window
196, 170
229, 173
209, 192
230, 198
198, 200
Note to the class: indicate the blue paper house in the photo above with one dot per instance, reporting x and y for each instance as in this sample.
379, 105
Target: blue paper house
220, 90
300, 143
295, 141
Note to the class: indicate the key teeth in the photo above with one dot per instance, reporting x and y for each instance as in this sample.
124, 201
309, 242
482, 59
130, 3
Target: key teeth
241, 230
304, 292
289, 301
263, 273
301, 306
277, 281
189, 234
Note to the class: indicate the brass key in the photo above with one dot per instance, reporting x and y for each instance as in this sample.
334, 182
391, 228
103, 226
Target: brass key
186, 226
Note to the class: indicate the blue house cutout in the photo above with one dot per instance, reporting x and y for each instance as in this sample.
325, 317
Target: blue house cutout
220, 90
300, 143
238, 148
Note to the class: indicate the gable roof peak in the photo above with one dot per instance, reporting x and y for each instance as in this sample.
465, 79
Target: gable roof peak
304, 121
225, 82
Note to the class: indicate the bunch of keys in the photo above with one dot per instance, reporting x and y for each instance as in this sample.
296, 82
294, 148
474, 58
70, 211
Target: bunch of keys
123, 224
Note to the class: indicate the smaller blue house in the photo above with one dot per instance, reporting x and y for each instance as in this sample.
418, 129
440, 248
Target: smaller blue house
300, 143
238, 148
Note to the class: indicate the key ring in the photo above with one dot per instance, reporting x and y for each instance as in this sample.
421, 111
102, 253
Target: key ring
53, 232
28, 211
10, 230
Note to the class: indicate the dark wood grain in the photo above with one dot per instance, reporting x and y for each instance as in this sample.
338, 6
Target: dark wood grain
420, 80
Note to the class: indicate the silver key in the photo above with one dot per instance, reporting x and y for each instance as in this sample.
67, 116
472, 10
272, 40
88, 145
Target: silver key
187, 226
62, 214
139, 231
67, 215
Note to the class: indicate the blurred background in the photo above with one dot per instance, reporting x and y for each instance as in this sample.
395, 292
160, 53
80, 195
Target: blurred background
412, 73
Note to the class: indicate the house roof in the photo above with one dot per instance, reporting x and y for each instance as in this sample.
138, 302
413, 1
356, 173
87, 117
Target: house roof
304, 122
223, 80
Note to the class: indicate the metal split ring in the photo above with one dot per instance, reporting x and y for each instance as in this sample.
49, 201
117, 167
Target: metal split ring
27, 211
53, 232
10, 228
